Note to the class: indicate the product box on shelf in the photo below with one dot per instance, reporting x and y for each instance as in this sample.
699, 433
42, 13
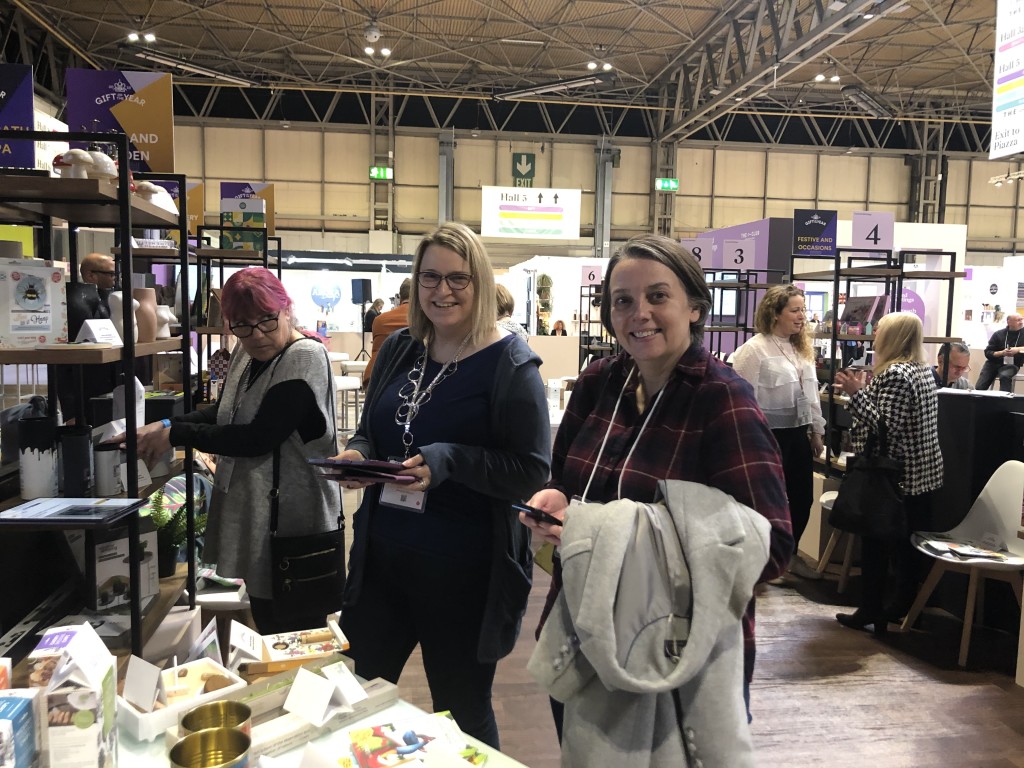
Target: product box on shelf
105, 566
186, 686
78, 675
37, 698
33, 303
17, 732
250, 212
5, 673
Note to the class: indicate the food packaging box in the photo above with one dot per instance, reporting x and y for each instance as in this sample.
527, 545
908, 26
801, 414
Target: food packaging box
187, 686
249, 212
38, 699
5, 673
33, 303
17, 732
78, 675
105, 567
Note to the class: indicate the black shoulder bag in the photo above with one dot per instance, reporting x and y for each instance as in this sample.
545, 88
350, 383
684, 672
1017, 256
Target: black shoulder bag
870, 499
307, 572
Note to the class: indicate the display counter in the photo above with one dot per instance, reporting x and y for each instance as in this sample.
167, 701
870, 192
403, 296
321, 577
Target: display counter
335, 744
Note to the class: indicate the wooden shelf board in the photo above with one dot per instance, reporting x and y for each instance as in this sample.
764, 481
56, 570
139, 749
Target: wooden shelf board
228, 254
724, 328
941, 339
851, 272
72, 356
155, 255
846, 336
82, 201
211, 330
928, 275
734, 284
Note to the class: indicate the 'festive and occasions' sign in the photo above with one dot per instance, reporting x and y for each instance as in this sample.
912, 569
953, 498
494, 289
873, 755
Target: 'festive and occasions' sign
16, 114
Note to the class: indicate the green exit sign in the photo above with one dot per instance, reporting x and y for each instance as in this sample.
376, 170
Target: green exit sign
666, 185
382, 173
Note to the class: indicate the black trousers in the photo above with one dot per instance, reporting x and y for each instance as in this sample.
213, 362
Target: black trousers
798, 467
408, 597
892, 570
990, 373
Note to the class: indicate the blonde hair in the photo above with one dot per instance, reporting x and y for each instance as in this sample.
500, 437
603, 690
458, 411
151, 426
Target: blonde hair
775, 301
898, 339
465, 242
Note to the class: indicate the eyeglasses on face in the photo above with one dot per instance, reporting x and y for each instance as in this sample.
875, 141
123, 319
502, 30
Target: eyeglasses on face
457, 281
244, 330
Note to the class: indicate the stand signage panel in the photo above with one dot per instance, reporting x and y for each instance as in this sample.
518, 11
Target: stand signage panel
739, 254
814, 232
137, 103
873, 229
537, 213
16, 114
753, 258
241, 190
1007, 81
702, 248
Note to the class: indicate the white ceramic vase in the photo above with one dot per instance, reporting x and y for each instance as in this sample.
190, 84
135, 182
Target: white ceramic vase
116, 300
164, 318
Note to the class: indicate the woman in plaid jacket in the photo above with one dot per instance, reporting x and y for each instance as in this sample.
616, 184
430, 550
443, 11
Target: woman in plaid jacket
903, 393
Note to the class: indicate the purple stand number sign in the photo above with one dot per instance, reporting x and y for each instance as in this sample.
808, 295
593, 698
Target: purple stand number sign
740, 254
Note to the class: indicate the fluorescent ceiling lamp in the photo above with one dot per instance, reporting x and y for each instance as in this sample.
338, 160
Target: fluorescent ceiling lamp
170, 61
867, 102
559, 85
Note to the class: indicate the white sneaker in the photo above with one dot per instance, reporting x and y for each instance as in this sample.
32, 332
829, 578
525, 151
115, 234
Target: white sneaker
798, 567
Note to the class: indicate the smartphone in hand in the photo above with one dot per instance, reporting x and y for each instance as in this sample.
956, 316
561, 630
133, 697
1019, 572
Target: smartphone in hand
537, 514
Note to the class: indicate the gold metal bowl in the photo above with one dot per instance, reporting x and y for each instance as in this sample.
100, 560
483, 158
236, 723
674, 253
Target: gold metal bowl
212, 748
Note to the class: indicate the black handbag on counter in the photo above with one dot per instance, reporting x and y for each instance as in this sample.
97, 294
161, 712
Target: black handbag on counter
307, 572
870, 498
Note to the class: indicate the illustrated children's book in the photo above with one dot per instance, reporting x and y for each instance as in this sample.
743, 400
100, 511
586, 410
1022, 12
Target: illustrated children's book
426, 740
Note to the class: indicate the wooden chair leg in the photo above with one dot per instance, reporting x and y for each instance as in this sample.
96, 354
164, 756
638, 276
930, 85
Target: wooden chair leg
844, 574
972, 599
922, 597
829, 549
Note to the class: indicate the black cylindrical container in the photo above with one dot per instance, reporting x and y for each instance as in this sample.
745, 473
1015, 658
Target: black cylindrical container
76, 461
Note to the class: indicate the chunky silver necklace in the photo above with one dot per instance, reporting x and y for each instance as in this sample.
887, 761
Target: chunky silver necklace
414, 397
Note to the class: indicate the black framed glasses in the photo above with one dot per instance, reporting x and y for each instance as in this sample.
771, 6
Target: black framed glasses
244, 330
457, 281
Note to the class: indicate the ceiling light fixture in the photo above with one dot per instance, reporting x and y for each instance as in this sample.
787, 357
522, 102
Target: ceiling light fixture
1006, 178
149, 37
819, 78
606, 67
385, 51
591, 65
559, 85
867, 102
133, 37
368, 50
185, 66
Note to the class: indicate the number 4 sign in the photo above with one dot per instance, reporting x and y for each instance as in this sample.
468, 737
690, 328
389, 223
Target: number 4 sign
873, 230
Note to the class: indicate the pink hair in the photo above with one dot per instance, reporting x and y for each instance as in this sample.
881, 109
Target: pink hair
252, 293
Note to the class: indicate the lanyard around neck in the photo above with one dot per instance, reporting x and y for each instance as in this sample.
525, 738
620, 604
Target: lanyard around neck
412, 395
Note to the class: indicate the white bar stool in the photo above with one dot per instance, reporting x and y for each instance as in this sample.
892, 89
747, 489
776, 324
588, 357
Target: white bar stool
345, 385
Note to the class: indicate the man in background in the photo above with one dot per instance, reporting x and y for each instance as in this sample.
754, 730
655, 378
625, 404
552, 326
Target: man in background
957, 356
101, 272
387, 323
1004, 355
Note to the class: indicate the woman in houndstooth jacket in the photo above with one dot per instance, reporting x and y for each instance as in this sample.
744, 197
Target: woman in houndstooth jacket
903, 393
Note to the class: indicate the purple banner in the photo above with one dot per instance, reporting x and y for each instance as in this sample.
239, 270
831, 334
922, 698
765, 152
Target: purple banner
16, 114
755, 231
814, 232
136, 103
912, 302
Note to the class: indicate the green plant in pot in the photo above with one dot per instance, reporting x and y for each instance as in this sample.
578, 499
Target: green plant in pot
169, 512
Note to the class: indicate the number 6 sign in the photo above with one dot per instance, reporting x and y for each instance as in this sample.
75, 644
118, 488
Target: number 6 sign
592, 275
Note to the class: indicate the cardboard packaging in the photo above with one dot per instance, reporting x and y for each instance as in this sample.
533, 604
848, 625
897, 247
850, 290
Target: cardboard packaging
33, 303
17, 732
37, 700
107, 575
5, 673
251, 213
78, 674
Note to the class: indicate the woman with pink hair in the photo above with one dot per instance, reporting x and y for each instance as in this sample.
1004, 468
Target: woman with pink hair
277, 402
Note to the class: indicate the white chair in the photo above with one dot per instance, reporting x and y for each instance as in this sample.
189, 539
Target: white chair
991, 524
827, 499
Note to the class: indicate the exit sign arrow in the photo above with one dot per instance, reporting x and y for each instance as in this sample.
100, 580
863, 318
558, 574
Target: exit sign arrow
524, 166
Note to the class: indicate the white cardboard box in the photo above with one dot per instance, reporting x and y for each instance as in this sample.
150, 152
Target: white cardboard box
146, 726
106, 568
33, 303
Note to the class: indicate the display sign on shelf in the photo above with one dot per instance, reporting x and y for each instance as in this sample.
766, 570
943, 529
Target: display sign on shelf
538, 213
139, 104
246, 189
873, 229
16, 114
814, 232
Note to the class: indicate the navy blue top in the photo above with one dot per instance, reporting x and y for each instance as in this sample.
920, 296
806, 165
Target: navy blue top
454, 520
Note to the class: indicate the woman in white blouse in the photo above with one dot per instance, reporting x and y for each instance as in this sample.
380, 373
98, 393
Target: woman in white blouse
779, 364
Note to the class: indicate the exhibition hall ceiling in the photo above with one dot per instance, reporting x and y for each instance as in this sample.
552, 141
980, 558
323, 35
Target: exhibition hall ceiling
675, 69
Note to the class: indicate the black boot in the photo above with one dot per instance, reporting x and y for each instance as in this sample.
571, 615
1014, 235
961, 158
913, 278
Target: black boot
862, 619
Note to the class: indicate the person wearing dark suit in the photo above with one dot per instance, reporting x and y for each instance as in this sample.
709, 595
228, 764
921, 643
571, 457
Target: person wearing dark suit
558, 329
387, 323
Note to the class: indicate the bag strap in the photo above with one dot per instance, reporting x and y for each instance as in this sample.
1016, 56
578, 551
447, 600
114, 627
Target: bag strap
878, 439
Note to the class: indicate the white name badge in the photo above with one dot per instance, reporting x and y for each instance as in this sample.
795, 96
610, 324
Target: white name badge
401, 497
